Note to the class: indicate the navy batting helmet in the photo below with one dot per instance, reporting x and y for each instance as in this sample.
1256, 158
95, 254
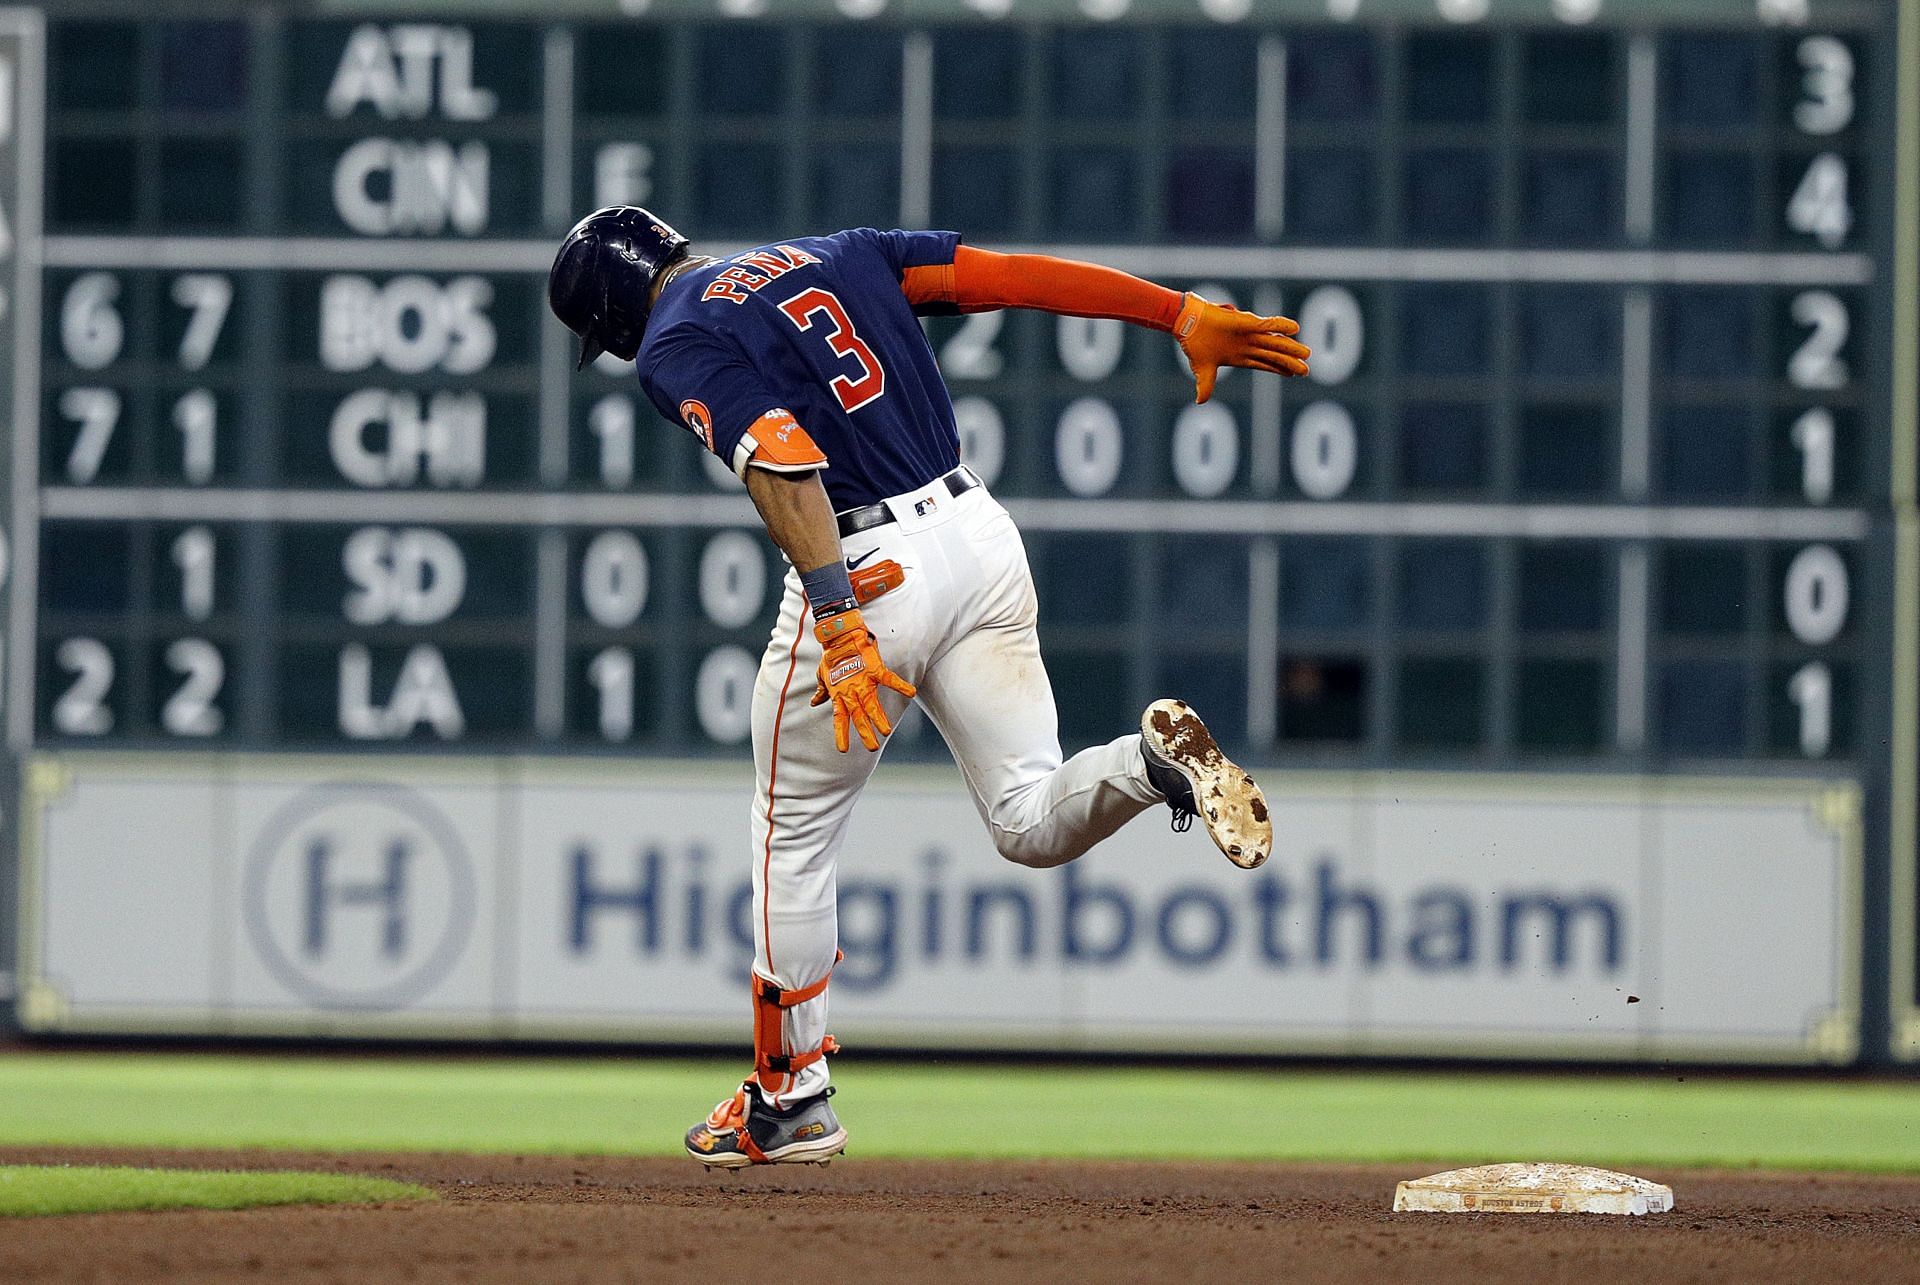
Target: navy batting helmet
601, 283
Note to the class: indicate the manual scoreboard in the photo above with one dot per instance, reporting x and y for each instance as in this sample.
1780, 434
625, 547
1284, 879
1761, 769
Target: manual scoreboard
1606, 461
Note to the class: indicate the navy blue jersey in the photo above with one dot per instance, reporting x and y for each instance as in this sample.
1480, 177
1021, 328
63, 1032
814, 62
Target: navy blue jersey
819, 327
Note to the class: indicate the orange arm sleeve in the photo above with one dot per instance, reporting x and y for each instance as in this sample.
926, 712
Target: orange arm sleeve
978, 280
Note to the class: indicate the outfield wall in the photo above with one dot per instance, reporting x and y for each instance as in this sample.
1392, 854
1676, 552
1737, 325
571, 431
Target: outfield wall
512, 898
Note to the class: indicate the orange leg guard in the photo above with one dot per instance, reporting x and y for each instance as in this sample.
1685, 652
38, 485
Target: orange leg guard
771, 1061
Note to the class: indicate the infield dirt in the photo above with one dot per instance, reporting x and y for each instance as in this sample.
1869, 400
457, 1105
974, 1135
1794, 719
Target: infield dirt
543, 1218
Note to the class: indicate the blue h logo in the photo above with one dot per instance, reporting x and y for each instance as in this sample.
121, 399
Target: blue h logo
389, 894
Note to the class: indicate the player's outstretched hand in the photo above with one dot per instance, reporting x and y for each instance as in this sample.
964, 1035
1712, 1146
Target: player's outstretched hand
851, 676
1213, 335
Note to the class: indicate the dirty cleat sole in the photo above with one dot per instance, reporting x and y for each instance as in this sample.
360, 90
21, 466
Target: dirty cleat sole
1225, 797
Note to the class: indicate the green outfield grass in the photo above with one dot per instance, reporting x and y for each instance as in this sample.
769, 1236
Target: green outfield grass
641, 1107
88, 1189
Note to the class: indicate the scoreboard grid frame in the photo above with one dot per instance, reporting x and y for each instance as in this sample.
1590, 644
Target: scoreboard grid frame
1904, 793
1265, 519
29, 27
25, 28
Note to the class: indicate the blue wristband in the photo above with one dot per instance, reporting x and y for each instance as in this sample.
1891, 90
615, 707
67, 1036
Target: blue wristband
829, 589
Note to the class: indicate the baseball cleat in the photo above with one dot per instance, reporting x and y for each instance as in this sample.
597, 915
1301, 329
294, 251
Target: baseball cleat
748, 1130
1185, 764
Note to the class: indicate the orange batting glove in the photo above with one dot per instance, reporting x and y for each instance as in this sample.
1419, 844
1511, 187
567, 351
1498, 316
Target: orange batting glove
851, 676
1213, 335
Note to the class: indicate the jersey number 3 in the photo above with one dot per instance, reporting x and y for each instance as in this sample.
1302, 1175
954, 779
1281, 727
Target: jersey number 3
853, 393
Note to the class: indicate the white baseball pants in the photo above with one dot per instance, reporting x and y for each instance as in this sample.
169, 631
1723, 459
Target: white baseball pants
962, 629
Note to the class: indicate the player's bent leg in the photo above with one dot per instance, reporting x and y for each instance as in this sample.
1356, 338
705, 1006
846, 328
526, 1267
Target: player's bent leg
989, 697
1186, 765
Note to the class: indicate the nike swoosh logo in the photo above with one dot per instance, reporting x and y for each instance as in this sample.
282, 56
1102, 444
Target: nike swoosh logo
853, 564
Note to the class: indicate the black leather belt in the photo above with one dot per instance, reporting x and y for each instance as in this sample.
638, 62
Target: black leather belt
854, 521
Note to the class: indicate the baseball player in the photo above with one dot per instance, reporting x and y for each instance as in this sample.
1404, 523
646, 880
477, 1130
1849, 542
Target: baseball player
802, 364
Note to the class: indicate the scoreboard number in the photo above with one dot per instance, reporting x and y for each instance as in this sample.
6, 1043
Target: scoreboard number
97, 413
983, 436
207, 296
196, 415
91, 330
1816, 595
1811, 691
1331, 325
1090, 347
190, 711
1325, 452
723, 694
1827, 82
733, 579
1206, 450
193, 553
1088, 447
613, 579
969, 353
1819, 205
611, 673
1816, 363
1813, 435
611, 421
81, 710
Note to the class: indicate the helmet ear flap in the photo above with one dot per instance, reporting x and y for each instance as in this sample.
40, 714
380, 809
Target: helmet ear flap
619, 328
590, 351
591, 345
